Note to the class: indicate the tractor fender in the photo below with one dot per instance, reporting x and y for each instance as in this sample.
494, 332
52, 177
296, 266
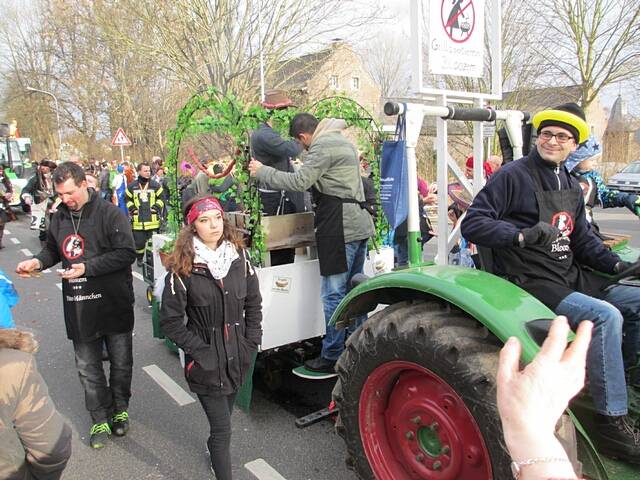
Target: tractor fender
502, 307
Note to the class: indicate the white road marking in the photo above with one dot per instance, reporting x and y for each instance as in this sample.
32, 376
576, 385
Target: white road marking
15, 241
7, 232
167, 383
27, 252
59, 285
138, 276
262, 470
46, 271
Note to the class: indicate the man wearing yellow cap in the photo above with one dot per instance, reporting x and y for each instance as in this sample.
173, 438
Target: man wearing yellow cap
532, 215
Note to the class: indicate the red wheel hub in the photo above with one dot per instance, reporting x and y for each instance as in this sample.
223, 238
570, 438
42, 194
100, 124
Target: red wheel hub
413, 425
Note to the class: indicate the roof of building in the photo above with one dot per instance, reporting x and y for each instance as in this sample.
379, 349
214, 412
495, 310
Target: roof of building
619, 120
296, 72
536, 99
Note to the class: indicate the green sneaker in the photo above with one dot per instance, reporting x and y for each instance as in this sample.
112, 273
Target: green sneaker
120, 424
99, 434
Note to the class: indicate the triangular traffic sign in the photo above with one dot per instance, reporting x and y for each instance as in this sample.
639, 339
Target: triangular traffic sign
120, 139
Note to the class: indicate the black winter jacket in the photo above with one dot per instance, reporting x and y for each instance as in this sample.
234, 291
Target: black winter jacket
223, 327
507, 204
107, 254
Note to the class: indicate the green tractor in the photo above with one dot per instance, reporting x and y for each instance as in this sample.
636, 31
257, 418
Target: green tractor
416, 389
416, 383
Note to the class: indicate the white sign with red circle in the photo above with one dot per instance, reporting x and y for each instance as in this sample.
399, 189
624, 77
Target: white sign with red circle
456, 37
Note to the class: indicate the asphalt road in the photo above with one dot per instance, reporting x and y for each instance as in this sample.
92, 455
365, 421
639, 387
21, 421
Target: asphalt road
166, 440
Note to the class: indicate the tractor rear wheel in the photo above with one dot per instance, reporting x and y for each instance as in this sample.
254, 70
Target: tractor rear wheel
417, 397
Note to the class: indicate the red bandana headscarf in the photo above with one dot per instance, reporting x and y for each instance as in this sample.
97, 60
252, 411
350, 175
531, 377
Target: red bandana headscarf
201, 206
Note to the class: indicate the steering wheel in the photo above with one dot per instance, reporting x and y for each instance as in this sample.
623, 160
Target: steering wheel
630, 276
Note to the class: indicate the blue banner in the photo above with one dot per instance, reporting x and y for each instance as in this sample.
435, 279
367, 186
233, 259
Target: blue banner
393, 177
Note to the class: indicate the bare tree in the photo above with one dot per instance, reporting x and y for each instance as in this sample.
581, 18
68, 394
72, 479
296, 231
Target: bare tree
386, 58
135, 70
204, 43
25, 59
591, 43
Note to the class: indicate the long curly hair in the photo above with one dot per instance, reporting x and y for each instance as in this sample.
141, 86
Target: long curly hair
181, 259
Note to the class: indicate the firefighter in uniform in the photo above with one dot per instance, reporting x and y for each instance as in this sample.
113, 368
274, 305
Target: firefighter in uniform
145, 205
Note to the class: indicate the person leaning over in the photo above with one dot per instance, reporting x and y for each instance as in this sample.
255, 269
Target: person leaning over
92, 238
210, 280
531, 213
268, 147
145, 205
342, 222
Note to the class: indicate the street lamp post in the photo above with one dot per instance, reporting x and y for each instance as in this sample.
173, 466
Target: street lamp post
55, 99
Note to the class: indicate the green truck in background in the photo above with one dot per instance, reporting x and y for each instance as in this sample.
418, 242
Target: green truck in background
14, 154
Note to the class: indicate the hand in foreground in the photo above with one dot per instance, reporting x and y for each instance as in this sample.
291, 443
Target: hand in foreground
542, 233
24, 268
254, 166
74, 271
530, 401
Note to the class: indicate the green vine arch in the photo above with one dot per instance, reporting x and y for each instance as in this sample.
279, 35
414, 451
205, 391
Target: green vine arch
212, 112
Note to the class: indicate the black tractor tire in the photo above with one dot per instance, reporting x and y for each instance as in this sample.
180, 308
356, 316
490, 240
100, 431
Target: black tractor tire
442, 339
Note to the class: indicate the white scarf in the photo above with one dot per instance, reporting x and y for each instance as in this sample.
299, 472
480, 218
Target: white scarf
218, 260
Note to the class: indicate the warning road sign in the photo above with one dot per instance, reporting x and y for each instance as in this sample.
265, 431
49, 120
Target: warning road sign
120, 139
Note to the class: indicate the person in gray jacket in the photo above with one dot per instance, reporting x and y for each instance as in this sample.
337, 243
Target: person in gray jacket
35, 440
343, 224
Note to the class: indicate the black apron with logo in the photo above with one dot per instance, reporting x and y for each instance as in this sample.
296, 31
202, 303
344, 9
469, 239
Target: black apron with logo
93, 306
550, 273
328, 222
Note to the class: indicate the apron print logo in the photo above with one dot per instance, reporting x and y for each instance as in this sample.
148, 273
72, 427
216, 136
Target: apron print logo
73, 246
563, 221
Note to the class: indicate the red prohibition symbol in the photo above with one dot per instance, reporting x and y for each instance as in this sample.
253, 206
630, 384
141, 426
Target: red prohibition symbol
458, 19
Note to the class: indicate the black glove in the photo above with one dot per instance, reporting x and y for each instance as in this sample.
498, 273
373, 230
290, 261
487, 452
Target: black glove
621, 266
542, 234
632, 202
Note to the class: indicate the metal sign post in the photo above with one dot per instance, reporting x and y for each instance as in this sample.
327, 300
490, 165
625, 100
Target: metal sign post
457, 28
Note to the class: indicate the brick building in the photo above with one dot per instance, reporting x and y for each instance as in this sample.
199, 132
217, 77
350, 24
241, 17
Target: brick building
336, 70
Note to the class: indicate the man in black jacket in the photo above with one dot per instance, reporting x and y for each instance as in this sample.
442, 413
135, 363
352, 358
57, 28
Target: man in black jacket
532, 215
92, 238
272, 150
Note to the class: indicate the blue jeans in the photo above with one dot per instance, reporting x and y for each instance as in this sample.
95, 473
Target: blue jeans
615, 342
401, 250
104, 399
334, 289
